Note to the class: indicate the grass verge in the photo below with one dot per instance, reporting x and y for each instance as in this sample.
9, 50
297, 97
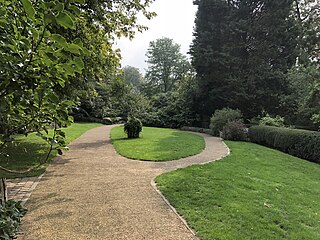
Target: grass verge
255, 193
157, 144
29, 151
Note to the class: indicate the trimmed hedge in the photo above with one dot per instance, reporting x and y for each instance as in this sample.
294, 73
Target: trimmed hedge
196, 129
300, 143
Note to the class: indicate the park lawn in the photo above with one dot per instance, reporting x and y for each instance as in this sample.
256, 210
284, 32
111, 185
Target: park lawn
254, 193
30, 151
157, 144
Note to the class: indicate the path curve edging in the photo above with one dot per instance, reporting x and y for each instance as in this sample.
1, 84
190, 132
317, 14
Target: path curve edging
174, 210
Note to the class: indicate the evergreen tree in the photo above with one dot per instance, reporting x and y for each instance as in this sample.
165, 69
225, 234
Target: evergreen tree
241, 52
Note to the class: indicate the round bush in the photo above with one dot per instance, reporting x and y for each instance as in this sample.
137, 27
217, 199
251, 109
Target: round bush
234, 130
133, 127
221, 117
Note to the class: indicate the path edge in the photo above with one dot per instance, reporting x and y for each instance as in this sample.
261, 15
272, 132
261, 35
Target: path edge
174, 210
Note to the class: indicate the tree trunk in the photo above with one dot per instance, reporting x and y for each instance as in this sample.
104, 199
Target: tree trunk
3, 191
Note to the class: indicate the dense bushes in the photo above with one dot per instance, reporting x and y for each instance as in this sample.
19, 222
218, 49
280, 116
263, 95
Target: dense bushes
221, 117
10, 217
300, 143
234, 130
133, 127
277, 121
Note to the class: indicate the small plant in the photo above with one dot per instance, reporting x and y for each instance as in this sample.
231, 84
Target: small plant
277, 121
221, 117
133, 127
234, 130
10, 217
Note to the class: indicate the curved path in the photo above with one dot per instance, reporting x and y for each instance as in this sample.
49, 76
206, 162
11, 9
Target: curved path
93, 193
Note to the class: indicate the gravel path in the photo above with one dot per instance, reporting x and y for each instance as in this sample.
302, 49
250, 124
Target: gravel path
93, 193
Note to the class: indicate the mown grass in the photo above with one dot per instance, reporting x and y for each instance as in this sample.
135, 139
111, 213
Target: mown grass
255, 193
157, 144
30, 151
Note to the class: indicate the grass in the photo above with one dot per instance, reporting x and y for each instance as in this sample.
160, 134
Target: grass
255, 193
157, 144
29, 151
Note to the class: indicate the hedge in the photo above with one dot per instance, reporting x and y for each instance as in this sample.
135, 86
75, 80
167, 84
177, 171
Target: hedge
300, 143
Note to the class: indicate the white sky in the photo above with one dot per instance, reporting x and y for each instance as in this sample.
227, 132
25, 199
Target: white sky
175, 19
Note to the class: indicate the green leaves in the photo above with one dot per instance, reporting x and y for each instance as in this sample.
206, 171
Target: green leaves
64, 20
27, 5
59, 39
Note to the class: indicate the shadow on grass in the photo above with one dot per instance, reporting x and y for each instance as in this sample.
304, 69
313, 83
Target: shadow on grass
21, 155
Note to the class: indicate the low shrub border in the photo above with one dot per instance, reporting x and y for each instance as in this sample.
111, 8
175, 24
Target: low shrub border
300, 143
197, 129
10, 218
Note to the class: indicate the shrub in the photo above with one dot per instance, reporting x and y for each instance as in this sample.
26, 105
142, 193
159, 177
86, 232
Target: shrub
234, 130
221, 117
300, 143
197, 129
10, 217
277, 121
133, 127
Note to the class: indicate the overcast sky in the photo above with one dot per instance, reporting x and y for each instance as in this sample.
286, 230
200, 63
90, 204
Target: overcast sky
175, 20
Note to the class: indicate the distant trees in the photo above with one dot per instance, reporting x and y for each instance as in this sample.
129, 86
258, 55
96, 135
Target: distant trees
166, 65
132, 76
241, 53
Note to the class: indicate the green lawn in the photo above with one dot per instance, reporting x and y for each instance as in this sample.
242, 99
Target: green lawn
157, 144
31, 150
255, 193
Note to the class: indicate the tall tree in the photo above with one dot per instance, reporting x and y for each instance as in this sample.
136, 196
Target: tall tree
166, 65
132, 76
241, 52
42, 58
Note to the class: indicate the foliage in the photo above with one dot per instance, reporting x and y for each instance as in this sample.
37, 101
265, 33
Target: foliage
157, 144
36, 64
307, 15
168, 110
10, 218
234, 130
254, 193
301, 143
302, 100
276, 121
132, 76
221, 117
241, 52
111, 99
316, 119
133, 127
166, 65
29, 151
197, 129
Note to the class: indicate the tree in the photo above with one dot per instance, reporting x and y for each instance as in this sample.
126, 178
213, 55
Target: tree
241, 52
42, 56
132, 76
307, 15
166, 65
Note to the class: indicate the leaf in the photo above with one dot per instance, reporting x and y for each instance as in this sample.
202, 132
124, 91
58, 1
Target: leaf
75, 9
78, 62
64, 20
59, 39
28, 8
79, 1
74, 48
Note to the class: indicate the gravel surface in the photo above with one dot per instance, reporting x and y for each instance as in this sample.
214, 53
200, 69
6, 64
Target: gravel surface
93, 193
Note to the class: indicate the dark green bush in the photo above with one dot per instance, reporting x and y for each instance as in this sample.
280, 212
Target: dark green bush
10, 217
221, 117
300, 143
234, 130
133, 127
